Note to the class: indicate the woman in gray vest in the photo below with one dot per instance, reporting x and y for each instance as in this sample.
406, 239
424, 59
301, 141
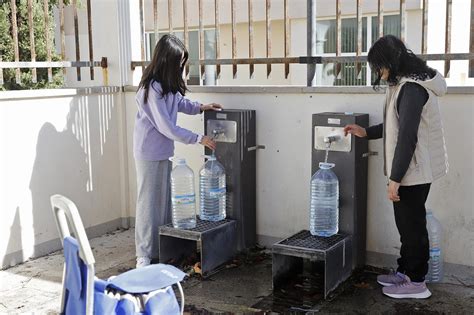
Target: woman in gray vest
414, 155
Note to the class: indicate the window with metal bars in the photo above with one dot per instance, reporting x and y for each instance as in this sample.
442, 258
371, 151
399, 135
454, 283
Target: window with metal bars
193, 50
326, 34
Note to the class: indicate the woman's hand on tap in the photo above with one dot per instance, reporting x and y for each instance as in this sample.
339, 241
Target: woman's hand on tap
212, 106
355, 130
208, 142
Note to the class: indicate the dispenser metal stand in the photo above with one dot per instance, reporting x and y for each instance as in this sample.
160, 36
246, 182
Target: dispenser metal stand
214, 242
334, 251
345, 251
234, 132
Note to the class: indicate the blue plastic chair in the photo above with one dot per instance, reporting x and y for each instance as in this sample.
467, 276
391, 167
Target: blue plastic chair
147, 290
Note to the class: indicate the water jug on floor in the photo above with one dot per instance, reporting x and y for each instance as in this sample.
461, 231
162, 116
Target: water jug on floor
435, 265
212, 190
183, 197
324, 209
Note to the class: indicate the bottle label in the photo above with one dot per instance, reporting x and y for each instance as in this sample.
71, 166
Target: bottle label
183, 199
216, 192
435, 252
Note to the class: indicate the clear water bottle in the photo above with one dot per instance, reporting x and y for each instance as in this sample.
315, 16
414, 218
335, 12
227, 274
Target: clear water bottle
435, 265
324, 211
212, 190
183, 198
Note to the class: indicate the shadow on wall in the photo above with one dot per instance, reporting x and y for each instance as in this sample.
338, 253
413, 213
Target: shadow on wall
15, 240
60, 167
67, 162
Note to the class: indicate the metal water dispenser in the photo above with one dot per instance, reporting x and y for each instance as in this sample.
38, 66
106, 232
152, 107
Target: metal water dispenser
350, 154
213, 243
235, 135
338, 255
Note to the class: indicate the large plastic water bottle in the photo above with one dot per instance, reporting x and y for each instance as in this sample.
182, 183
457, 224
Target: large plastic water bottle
183, 198
435, 269
212, 190
324, 210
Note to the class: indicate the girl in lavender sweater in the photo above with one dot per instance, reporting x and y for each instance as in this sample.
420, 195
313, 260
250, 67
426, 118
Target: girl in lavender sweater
160, 97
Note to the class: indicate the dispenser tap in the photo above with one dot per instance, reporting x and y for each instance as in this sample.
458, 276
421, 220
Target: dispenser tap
331, 139
216, 132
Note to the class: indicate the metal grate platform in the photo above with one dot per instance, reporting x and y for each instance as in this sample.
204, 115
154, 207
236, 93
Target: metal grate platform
203, 226
305, 239
335, 251
216, 241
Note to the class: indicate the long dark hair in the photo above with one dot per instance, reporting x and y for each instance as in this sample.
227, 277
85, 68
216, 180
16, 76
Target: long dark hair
391, 53
166, 67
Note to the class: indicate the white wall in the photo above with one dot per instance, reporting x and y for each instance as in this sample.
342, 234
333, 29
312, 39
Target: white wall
53, 144
283, 168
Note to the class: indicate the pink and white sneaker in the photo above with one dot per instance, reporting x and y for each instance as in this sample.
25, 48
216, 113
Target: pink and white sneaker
407, 290
392, 278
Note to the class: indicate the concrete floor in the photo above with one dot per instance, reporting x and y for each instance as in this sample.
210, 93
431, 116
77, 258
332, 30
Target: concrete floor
244, 286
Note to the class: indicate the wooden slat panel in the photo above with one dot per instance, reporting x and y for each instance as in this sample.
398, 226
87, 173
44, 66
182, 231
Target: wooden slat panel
170, 16
34, 77
447, 40
142, 30
424, 28
234, 37
15, 41
380, 17
218, 48
89, 36
251, 49
63, 34
268, 34
338, 66
202, 52
403, 13
1, 71
156, 28
47, 37
359, 38
185, 34
287, 37
76, 37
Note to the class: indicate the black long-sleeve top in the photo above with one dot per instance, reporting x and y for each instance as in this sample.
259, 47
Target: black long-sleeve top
410, 102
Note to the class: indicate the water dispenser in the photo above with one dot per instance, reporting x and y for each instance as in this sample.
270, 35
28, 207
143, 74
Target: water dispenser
235, 134
336, 255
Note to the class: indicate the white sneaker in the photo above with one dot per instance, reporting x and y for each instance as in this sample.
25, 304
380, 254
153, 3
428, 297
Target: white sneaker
142, 262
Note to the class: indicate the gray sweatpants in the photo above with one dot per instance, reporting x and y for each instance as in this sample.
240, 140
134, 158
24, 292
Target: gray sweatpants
153, 204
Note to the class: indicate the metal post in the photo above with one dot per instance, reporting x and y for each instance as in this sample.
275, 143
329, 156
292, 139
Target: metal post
311, 41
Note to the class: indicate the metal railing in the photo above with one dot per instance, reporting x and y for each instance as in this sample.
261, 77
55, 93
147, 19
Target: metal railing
312, 58
33, 64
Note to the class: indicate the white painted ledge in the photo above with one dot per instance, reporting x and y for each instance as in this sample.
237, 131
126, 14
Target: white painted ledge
299, 89
71, 92
54, 93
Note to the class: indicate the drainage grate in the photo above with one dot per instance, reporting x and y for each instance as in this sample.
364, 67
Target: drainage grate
203, 226
304, 239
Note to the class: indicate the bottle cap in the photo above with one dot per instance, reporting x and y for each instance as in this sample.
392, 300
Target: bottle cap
326, 166
178, 160
210, 157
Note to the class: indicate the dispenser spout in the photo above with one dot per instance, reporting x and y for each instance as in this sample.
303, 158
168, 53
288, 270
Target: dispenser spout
217, 132
331, 139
